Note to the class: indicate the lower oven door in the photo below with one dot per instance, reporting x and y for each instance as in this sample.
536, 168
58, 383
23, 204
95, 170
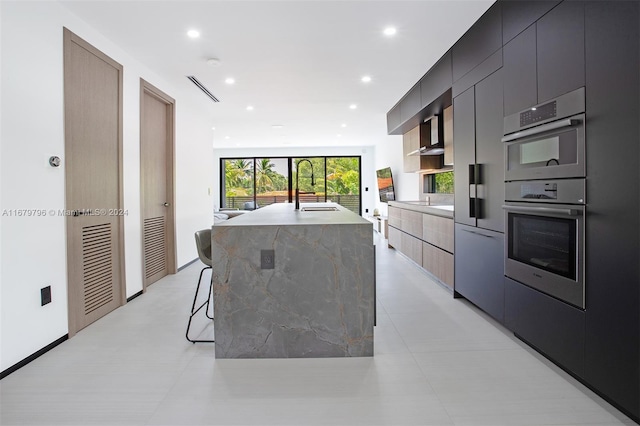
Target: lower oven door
544, 248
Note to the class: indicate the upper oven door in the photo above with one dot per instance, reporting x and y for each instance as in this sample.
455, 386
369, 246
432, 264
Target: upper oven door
549, 151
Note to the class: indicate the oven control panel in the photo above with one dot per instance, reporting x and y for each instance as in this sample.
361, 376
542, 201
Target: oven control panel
563, 191
537, 114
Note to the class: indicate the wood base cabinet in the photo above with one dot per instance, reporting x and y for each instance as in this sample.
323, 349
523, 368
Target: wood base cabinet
438, 262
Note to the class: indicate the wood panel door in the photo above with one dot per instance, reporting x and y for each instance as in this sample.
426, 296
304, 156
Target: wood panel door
93, 180
156, 183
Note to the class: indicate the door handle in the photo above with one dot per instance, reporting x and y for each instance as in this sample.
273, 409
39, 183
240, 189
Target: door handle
166, 204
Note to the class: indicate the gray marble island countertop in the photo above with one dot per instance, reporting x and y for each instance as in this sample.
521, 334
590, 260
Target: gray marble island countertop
285, 214
316, 300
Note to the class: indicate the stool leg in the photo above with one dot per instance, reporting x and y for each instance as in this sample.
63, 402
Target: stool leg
195, 311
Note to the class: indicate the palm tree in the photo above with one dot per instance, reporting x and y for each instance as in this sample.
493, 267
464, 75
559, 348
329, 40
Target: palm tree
264, 175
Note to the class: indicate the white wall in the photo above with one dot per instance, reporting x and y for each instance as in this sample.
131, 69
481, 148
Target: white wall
367, 164
406, 185
32, 249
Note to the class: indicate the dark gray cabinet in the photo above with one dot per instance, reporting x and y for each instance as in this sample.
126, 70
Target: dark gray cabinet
613, 187
437, 81
393, 118
560, 39
519, 14
478, 153
490, 152
410, 104
479, 268
477, 44
520, 84
547, 59
479, 195
464, 152
551, 326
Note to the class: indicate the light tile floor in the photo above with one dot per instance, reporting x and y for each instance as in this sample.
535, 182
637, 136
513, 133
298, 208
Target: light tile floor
438, 361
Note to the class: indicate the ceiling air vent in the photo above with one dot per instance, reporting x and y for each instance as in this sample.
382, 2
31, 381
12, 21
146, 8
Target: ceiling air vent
201, 87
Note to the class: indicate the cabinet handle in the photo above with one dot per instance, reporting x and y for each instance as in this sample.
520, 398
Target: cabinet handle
478, 233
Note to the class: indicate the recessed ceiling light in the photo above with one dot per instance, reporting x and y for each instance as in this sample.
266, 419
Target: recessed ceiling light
343, 125
230, 80
227, 137
193, 33
389, 31
339, 135
213, 128
249, 107
353, 106
366, 79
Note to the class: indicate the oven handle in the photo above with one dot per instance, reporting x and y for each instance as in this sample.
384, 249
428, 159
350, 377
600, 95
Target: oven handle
550, 210
540, 129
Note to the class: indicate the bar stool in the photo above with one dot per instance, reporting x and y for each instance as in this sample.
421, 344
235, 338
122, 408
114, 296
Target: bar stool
203, 244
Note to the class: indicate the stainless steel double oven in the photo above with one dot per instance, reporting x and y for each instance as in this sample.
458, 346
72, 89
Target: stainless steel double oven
545, 199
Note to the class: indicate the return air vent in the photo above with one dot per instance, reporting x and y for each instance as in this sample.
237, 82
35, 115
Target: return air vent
97, 253
201, 87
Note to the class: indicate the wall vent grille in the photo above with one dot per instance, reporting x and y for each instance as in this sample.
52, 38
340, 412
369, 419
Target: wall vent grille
201, 87
97, 266
154, 246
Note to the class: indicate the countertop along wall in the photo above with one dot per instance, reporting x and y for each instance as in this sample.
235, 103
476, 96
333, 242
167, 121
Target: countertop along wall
33, 248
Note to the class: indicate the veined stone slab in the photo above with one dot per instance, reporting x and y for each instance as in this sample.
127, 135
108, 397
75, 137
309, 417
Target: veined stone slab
317, 301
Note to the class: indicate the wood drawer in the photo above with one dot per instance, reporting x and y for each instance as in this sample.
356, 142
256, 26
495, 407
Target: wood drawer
438, 262
412, 248
412, 223
438, 231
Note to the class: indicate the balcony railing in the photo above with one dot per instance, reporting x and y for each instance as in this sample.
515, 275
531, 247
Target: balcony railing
351, 202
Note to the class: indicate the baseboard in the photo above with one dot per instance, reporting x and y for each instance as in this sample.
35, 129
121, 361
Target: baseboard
33, 356
129, 299
187, 264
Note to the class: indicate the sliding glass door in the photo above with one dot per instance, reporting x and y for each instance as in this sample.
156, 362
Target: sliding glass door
343, 182
249, 183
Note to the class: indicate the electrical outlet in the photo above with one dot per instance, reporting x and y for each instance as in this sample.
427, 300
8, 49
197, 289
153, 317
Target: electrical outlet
45, 295
267, 259
366, 210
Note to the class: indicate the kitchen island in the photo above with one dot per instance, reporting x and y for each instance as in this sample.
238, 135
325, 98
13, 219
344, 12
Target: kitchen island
294, 283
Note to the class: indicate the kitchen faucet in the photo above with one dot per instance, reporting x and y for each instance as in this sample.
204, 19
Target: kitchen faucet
297, 184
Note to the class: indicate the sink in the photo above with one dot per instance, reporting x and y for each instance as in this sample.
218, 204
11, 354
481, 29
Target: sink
319, 209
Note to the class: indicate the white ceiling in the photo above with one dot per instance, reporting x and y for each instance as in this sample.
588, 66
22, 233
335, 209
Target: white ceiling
298, 63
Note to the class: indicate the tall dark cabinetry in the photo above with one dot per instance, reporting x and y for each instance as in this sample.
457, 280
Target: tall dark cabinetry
479, 195
613, 211
519, 54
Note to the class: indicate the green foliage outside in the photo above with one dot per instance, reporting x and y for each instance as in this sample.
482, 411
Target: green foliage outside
342, 176
444, 183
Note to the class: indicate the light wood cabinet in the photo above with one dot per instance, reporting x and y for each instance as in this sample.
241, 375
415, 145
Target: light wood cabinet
438, 262
412, 222
412, 247
395, 238
424, 238
411, 142
438, 231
